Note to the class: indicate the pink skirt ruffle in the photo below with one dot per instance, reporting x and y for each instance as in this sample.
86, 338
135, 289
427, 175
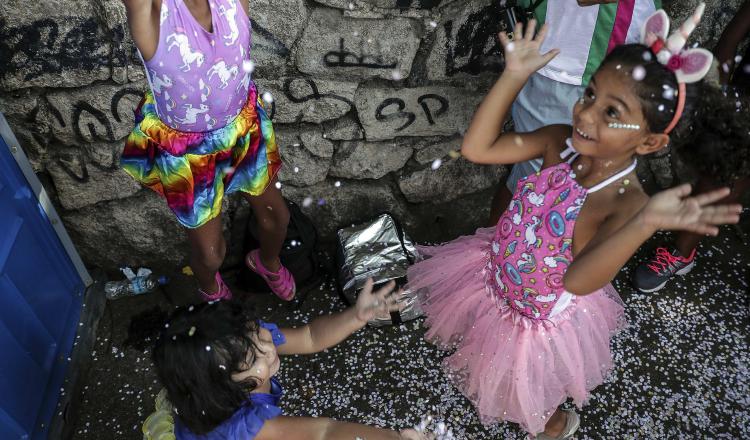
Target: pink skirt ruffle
511, 367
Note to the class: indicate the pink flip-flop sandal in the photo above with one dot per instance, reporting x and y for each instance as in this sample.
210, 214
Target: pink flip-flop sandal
223, 292
283, 286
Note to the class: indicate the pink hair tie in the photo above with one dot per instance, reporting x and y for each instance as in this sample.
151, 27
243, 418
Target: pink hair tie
680, 107
689, 65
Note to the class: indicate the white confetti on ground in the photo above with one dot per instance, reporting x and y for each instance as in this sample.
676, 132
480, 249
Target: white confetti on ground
682, 367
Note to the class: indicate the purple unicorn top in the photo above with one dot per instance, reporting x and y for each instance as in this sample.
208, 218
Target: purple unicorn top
200, 79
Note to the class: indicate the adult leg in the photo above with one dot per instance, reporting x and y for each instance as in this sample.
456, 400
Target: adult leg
500, 202
207, 250
686, 242
273, 217
653, 274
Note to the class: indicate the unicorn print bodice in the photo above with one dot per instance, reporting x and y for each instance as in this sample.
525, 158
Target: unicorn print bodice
533, 242
200, 79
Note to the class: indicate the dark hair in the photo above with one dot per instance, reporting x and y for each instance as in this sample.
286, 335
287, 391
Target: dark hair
657, 90
195, 356
710, 135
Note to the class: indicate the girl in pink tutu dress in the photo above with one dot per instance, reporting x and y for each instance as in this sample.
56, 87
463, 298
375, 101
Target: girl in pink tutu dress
528, 307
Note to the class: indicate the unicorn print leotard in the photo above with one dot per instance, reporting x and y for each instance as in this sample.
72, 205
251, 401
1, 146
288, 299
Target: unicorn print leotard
200, 79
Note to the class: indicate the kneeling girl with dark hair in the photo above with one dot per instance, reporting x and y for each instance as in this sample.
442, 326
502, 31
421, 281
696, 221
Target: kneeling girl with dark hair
217, 363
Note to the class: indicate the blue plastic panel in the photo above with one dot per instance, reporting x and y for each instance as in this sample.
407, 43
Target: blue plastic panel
40, 304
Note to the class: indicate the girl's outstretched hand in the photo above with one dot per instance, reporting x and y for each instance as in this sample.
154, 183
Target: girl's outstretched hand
522, 54
378, 304
673, 209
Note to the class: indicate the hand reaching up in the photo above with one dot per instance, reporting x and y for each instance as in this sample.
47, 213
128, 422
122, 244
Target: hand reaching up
673, 209
378, 304
522, 54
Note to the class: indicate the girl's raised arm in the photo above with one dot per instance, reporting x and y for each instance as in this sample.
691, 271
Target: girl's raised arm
326, 331
484, 141
607, 252
143, 20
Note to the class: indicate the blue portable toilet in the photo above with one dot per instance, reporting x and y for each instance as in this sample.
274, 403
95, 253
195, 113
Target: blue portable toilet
42, 284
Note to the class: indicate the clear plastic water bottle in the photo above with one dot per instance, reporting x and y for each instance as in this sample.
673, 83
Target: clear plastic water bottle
136, 286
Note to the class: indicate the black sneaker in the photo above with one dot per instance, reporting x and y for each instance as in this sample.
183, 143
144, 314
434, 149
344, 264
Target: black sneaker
652, 275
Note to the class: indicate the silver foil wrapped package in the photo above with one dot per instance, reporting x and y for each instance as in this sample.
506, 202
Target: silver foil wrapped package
379, 250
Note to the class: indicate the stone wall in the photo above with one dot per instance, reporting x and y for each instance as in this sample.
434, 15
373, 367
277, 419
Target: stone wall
370, 98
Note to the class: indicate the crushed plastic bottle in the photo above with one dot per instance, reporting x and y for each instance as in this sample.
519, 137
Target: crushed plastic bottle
135, 286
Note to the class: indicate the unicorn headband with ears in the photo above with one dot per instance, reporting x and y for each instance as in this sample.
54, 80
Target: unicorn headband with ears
690, 65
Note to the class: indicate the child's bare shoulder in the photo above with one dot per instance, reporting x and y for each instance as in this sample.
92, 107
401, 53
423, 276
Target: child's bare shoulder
629, 200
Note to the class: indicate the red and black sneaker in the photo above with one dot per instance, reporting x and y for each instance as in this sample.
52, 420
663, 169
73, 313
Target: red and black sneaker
653, 275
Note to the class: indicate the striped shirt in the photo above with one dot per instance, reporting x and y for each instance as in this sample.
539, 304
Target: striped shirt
585, 35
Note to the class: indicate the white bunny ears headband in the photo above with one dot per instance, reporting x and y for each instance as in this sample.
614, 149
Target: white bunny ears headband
690, 65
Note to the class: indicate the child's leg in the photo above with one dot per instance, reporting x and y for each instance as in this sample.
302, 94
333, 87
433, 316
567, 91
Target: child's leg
561, 425
207, 250
556, 423
273, 217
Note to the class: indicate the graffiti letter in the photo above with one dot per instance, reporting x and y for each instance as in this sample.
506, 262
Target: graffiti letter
443, 106
410, 117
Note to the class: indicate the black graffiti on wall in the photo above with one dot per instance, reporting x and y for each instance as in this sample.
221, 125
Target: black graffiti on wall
271, 43
90, 123
420, 4
313, 94
410, 117
474, 48
42, 47
341, 57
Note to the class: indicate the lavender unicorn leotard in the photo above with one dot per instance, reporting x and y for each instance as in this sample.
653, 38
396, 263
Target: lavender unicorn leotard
200, 79
201, 131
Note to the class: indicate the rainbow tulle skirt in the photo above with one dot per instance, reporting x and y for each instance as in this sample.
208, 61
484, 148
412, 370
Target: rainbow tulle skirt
193, 171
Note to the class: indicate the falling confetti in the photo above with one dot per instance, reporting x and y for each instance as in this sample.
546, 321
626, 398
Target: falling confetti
248, 66
639, 72
187, 270
268, 97
307, 201
436, 164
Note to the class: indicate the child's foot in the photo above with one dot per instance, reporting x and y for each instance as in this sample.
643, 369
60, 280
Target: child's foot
653, 275
222, 291
281, 282
572, 421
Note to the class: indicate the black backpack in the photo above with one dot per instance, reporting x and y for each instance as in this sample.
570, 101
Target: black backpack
298, 253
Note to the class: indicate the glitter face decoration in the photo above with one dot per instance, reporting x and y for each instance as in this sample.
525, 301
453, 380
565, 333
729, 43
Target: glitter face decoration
624, 126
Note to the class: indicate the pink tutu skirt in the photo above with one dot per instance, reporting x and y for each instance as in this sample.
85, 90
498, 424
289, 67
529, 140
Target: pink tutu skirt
511, 367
